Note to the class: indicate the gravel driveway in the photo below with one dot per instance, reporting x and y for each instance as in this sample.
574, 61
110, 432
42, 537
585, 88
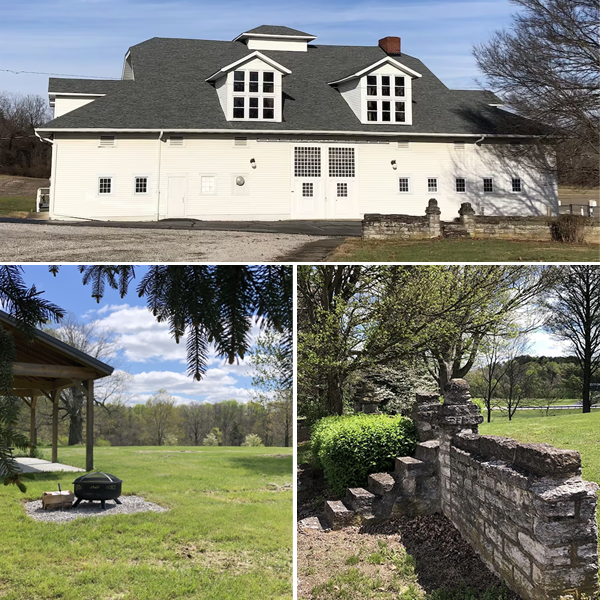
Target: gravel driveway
60, 244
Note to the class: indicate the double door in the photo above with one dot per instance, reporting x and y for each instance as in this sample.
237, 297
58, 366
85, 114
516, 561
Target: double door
325, 182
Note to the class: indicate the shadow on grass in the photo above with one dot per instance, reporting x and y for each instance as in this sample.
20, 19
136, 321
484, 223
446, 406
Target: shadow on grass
275, 466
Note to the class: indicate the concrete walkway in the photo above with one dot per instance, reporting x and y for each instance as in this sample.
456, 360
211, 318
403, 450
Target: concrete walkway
37, 465
350, 228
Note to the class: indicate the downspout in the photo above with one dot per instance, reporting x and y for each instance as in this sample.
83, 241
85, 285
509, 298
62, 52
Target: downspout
52, 171
160, 135
478, 142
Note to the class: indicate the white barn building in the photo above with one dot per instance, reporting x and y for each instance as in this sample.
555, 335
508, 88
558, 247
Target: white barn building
272, 126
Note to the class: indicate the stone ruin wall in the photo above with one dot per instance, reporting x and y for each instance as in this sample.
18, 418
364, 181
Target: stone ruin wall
523, 507
409, 227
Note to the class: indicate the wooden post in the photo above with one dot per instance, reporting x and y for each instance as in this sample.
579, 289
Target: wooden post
89, 426
32, 439
55, 398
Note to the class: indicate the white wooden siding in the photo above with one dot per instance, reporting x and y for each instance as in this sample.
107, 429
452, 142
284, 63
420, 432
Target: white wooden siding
65, 104
268, 193
277, 44
351, 92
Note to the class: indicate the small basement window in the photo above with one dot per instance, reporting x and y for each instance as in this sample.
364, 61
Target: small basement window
517, 184
432, 185
461, 185
141, 185
488, 185
105, 185
403, 185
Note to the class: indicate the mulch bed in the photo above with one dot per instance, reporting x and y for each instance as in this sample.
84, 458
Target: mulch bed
443, 558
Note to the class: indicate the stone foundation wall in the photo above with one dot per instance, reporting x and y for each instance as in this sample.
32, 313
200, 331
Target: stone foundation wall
409, 227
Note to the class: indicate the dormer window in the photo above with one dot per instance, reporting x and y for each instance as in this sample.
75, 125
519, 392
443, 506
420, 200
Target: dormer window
383, 94
250, 88
380, 93
254, 95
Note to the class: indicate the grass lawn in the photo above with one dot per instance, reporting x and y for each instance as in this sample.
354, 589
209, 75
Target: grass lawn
443, 250
16, 207
227, 535
573, 431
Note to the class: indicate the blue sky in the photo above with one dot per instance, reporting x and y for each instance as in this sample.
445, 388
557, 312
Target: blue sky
147, 350
90, 37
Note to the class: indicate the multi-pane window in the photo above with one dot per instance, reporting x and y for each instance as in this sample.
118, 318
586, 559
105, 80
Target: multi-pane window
307, 161
208, 185
308, 190
517, 185
403, 185
488, 185
432, 184
341, 162
105, 185
381, 91
141, 185
254, 95
342, 190
461, 184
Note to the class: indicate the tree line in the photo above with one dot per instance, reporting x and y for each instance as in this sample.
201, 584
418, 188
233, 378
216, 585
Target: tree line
21, 151
396, 328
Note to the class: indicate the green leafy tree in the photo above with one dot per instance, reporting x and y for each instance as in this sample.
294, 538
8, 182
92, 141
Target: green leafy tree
573, 308
160, 417
252, 440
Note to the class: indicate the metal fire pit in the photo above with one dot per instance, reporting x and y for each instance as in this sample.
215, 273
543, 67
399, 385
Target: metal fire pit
97, 486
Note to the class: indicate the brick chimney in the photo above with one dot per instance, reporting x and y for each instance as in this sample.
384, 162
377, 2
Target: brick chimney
390, 45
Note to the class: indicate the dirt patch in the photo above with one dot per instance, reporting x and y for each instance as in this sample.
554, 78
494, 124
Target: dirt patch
203, 555
442, 559
26, 187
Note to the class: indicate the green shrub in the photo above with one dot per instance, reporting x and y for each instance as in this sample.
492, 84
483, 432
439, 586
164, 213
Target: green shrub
348, 448
252, 440
569, 228
480, 403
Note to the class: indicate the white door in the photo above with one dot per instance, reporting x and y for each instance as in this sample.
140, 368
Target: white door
341, 201
309, 188
176, 196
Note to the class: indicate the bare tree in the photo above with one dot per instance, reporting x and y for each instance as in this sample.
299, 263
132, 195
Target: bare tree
194, 423
21, 151
574, 316
546, 68
515, 383
100, 344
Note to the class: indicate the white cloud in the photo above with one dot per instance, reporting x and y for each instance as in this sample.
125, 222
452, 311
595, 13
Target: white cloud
544, 344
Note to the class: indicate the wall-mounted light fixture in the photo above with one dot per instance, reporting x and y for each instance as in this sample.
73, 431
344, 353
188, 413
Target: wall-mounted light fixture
253, 163
394, 165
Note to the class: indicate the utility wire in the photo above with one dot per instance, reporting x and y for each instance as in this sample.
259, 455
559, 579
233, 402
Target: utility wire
57, 74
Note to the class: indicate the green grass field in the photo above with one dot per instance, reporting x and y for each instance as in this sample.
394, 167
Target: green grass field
227, 535
9, 206
573, 431
357, 250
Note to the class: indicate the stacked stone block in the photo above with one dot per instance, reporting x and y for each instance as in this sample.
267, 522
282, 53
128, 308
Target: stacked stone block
523, 507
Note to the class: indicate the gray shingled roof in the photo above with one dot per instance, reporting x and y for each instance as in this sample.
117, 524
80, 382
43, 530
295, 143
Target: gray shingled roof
170, 92
84, 86
277, 30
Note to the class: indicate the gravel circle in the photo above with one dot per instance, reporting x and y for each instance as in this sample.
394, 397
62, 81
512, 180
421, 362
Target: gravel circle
129, 505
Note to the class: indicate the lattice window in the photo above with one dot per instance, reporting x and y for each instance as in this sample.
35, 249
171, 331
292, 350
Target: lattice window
207, 185
488, 184
404, 185
517, 185
342, 190
105, 185
432, 184
141, 185
461, 184
308, 190
341, 162
307, 161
